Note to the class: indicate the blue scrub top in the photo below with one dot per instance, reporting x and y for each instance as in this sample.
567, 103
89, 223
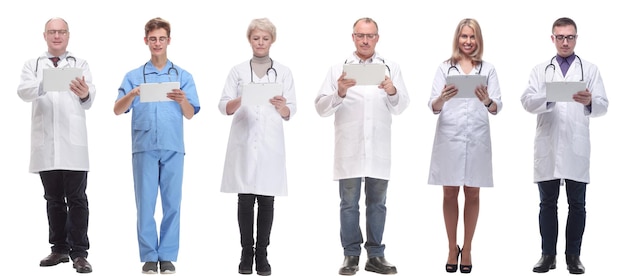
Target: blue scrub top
158, 125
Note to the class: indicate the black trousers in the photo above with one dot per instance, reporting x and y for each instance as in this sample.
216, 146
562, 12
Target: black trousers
68, 211
548, 216
245, 217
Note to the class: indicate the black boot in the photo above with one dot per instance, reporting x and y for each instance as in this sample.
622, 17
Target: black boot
265, 219
245, 264
262, 265
245, 217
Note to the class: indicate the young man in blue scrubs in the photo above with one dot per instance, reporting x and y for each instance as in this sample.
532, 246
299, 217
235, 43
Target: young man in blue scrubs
158, 147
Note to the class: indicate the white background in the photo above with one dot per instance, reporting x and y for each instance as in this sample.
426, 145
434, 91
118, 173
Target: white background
208, 38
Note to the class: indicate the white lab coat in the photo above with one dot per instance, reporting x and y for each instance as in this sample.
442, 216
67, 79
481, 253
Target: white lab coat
362, 122
461, 154
58, 122
255, 157
562, 143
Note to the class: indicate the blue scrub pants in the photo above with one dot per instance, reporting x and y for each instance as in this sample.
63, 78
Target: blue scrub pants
375, 216
548, 218
154, 170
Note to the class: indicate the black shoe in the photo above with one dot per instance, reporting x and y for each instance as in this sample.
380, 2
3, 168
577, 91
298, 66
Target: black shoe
546, 263
574, 265
453, 267
82, 265
54, 259
350, 265
380, 266
465, 268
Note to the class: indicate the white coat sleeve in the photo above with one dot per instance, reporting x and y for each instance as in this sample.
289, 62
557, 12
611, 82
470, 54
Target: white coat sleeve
30, 87
439, 81
534, 97
230, 90
493, 88
289, 93
599, 100
92, 88
328, 100
400, 101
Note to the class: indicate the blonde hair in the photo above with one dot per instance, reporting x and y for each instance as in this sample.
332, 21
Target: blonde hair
262, 24
477, 55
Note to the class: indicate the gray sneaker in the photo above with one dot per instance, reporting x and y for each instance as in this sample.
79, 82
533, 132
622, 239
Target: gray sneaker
167, 267
149, 268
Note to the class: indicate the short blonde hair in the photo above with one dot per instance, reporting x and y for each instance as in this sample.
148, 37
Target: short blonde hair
262, 24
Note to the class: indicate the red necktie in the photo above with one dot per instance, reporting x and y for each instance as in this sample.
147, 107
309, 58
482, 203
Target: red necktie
55, 61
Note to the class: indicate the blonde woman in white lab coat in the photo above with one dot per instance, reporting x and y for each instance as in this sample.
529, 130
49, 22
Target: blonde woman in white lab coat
461, 154
255, 166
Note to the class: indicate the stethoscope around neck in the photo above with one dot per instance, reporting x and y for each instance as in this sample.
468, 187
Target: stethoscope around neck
67, 58
453, 66
267, 72
381, 59
582, 72
168, 71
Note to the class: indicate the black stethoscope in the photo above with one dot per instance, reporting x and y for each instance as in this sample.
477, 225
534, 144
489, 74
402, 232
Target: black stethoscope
582, 73
267, 72
383, 60
168, 71
67, 58
480, 69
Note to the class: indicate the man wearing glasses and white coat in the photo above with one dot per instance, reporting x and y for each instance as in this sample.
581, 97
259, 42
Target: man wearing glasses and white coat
363, 115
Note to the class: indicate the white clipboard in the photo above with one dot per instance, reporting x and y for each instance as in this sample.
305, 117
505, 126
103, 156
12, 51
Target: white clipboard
563, 91
365, 73
59, 79
466, 84
259, 94
156, 91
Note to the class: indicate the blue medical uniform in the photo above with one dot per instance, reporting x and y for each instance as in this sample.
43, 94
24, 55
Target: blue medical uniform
158, 152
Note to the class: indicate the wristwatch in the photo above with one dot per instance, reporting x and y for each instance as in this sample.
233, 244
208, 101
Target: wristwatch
489, 104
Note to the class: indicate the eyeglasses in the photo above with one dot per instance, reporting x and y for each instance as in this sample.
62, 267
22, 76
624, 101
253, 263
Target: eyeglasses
153, 39
60, 32
568, 37
361, 36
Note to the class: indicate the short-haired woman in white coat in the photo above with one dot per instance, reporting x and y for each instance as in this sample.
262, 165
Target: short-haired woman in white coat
255, 158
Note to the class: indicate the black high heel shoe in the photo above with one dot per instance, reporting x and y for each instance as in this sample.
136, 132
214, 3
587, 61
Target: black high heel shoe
453, 267
465, 268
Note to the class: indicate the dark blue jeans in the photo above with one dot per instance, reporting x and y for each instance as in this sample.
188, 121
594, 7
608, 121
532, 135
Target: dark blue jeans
548, 218
68, 211
375, 216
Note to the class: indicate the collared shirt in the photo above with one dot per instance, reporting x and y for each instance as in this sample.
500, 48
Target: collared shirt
565, 62
562, 143
362, 121
58, 131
